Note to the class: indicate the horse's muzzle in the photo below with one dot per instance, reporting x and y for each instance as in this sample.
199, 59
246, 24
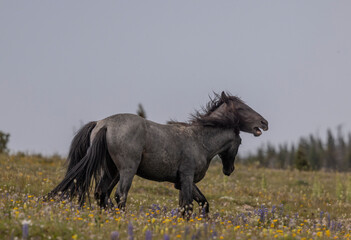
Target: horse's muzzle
229, 171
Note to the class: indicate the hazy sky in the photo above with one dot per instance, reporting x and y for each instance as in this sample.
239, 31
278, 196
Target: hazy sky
67, 62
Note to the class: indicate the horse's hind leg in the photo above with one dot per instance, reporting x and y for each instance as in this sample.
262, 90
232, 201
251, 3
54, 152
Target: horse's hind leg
126, 178
201, 200
126, 142
109, 179
104, 188
110, 188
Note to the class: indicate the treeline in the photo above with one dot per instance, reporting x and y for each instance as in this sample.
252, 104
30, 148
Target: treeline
311, 153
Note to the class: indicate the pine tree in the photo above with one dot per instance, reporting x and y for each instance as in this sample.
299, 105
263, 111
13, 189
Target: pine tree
292, 157
301, 162
330, 152
283, 156
313, 157
341, 151
348, 154
271, 156
4, 139
261, 158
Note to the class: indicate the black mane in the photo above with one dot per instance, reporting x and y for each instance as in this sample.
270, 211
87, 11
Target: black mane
228, 119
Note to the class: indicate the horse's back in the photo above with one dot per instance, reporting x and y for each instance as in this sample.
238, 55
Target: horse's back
125, 135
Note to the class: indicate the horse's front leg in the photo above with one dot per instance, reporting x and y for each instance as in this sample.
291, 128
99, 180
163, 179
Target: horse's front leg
186, 193
201, 200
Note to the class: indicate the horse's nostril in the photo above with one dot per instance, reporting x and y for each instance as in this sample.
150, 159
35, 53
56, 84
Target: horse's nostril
264, 125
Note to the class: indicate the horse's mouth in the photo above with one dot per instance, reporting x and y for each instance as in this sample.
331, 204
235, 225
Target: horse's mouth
257, 132
229, 171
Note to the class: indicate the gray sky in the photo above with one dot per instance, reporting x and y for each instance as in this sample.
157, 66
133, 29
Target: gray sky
67, 62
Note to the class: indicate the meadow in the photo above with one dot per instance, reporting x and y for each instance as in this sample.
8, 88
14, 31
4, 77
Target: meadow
253, 203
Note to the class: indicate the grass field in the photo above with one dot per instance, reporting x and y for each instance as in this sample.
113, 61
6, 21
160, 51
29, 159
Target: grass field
253, 203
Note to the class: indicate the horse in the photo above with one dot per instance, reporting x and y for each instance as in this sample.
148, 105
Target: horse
115, 149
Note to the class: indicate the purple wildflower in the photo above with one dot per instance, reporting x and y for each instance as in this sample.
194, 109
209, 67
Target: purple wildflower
281, 210
262, 212
166, 237
273, 210
214, 234
203, 211
114, 235
339, 226
321, 216
155, 207
328, 218
243, 217
148, 235
130, 231
25, 229
174, 212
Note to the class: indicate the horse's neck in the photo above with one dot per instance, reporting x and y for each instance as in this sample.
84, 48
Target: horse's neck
216, 140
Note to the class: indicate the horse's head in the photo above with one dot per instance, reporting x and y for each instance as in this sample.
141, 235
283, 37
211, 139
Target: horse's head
226, 111
248, 120
228, 156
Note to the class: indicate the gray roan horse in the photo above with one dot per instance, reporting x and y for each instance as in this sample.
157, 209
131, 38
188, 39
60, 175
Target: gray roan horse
118, 147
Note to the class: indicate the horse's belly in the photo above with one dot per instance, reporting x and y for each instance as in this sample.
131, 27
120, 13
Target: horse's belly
201, 170
153, 167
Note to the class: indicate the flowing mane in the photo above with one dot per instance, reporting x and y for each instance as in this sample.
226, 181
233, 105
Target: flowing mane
224, 119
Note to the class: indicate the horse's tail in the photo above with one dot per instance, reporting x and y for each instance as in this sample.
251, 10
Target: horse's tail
79, 178
79, 145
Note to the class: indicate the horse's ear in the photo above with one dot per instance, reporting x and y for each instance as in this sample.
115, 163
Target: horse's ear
224, 97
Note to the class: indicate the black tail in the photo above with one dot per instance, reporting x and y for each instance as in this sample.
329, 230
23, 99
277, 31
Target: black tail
79, 145
78, 179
